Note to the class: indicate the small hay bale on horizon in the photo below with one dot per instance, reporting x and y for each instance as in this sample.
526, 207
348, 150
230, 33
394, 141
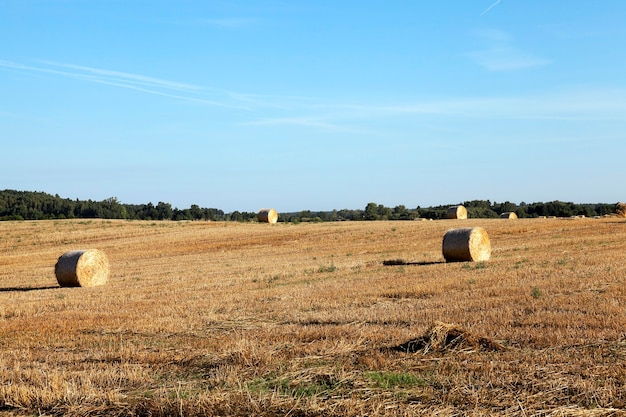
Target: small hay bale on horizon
82, 268
470, 244
457, 212
267, 216
508, 215
620, 209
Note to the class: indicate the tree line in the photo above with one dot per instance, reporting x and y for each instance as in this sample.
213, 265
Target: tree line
29, 205
475, 209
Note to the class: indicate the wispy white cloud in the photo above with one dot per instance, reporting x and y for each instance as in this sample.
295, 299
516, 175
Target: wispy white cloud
162, 87
136, 82
573, 105
501, 53
127, 77
581, 104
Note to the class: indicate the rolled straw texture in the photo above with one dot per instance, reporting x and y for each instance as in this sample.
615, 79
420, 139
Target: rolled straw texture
457, 212
82, 268
508, 215
620, 209
268, 216
470, 244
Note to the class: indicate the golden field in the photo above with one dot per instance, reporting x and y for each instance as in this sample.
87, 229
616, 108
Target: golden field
234, 319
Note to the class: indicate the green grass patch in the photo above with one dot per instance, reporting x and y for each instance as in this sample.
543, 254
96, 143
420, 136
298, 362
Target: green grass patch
536, 292
389, 380
327, 268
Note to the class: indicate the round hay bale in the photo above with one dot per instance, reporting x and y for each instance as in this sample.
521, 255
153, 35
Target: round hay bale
470, 244
620, 209
457, 212
82, 268
268, 216
508, 215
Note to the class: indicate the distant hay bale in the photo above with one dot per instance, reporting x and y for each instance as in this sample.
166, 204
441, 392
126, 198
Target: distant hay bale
620, 209
82, 268
456, 212
268, 216
470, 244
508, 215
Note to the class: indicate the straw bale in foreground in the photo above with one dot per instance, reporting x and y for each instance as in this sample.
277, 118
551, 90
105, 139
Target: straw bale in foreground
82, 268
268, 216
466, 245
457, 212
620, 209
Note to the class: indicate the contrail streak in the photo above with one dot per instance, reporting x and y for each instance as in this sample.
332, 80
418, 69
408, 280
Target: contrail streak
491, 7
141, 83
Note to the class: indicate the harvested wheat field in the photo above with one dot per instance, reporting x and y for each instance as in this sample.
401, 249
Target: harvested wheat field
326, 319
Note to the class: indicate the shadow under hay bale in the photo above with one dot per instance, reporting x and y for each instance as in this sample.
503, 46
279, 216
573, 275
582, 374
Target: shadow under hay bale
392, 262
395, 262
441, 337
26, 289
82, 268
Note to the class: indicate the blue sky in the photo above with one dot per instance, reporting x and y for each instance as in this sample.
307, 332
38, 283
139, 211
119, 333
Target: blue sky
314, 105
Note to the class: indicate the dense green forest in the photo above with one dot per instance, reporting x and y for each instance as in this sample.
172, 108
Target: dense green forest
29, 205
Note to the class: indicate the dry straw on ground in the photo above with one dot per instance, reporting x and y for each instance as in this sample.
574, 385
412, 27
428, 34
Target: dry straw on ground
268, 216
199, 320
457, 212
82, 268
443, 336
508, 215
466, 245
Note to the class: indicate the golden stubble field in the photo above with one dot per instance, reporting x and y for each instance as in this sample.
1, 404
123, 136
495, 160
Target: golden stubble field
315, 320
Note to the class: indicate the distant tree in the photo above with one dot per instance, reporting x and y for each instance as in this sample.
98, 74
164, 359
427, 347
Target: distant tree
603, 209
235, 216
384, 213
196, 212
559, 209
179, 215
112, 209
371, 211
346, 214
402, 213
164, 211
505, 207
479, 209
